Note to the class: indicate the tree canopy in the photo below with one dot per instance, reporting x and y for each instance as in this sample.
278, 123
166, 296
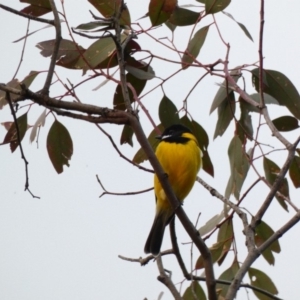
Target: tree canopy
113, 82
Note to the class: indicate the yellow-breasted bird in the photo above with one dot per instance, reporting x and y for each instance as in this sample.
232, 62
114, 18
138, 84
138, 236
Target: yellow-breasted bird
180, 156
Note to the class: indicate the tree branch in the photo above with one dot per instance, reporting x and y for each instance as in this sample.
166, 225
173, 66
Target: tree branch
165, 279
30, 17
45, 90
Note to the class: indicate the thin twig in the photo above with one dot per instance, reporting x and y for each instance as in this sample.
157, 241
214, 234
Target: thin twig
8, 99
121, 154
30, 17
23, 50
165, 279
120, 194
145, 260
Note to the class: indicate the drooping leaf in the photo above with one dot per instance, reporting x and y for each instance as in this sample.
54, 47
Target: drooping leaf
239, 167
27, 81
245, 128
59, 146
256, 97
39, 122
247, 33
272, 170
68, 53
262, 233
216, 253
138, 85
126, 136
194, 290
225, 235
15, 83
12, 134
141, 73
97, 53
286, 123
93, 25
109, 8
183, 17
161, 10
167, 111
194, 47
7, 124
280, 87
260, 280
211, 224
224, 91
227, 275
214, 6
226, 111
294, 171
36, 8
203, 141
141, 156
171, 26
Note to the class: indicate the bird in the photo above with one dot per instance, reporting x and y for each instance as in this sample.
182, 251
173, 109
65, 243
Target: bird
180, 156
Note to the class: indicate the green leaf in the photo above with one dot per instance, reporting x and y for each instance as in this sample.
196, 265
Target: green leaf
214, 6
245, 128
225, 92
286, 123
126, 136
97, 53
216, 252
194, 290
294, 171
225, 114
161, 10
171, 26
30, 78
59, 146
225, 235
203, 141
268, 100
260, 280
92, 25
14, 83
262, 233
138, 85
141, 156
143, 73
167, 111
280, 87
194, 47
211, 224
247, 33
183, 17
271, 172
239, 167
227, 275
68, 53
109, 8
12, 135
37, 7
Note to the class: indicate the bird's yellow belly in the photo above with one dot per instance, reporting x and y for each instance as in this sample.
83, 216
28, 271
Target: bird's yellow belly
181, 164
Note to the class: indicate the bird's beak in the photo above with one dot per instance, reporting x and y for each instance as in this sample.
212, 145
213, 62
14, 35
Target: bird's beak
158, 137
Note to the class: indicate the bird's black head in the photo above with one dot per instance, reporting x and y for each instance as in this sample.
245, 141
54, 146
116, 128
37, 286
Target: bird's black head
173, 134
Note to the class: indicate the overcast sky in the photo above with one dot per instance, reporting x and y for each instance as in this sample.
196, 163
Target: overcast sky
66, 244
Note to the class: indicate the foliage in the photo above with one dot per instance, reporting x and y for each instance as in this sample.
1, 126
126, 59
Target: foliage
120, 58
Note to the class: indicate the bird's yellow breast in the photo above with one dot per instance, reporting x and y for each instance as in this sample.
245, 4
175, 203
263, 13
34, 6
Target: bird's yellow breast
181, 162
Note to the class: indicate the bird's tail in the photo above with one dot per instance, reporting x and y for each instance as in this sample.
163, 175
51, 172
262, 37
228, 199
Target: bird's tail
156, 234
